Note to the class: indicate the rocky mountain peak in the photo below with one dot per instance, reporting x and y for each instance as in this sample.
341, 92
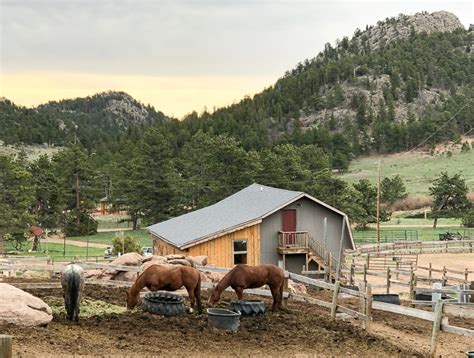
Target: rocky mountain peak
400, 27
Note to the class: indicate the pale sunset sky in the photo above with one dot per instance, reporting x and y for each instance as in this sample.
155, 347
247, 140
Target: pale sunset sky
178, 56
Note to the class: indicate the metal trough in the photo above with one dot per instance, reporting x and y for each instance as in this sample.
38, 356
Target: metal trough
223, 319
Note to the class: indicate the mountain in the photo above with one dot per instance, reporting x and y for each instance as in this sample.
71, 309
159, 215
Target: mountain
89, 120
404, 82
386, 89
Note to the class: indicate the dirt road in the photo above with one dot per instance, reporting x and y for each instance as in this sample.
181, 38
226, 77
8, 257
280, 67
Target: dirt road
52, 240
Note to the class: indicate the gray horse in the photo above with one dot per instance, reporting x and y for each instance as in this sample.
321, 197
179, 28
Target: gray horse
72, 281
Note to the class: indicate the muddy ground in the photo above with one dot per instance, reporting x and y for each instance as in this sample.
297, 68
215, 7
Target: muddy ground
302, 329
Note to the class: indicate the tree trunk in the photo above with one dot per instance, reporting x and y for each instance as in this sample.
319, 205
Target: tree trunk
435, 222
134, 218
35, 244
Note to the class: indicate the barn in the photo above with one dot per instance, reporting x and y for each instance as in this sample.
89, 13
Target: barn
258, 224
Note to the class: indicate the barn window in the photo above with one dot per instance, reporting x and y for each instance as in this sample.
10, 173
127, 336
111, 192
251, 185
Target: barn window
240, 252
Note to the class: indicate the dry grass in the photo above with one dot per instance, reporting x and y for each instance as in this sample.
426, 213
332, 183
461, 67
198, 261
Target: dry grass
412, 202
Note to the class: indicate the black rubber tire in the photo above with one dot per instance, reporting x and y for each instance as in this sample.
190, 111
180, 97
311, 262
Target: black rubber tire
387, 298
163, 303
249, 308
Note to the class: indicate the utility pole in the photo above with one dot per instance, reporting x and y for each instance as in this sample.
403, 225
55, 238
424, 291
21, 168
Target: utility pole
78, 200
378, 205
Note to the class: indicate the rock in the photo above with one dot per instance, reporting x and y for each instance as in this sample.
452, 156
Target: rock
213, 277
126, 276
296, 288
198, 260
21, 308
180, 262
174, 257
129, 259
154, 260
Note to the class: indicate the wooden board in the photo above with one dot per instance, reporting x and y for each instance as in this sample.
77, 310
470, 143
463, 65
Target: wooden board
407, 311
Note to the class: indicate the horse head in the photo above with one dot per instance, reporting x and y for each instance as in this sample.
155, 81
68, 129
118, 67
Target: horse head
215, 296
132, 300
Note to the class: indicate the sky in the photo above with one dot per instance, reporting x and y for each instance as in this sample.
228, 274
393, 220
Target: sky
178, 56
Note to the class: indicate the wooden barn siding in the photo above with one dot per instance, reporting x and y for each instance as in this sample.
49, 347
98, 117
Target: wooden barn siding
220, 250
162, 248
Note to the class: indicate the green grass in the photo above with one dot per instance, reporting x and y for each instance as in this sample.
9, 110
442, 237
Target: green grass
400, 221
113, 221
412, 233
417, 170
106, 237
57, 251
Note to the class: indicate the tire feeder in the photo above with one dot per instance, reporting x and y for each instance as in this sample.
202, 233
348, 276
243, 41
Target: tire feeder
250, 308
163, 303
223, 319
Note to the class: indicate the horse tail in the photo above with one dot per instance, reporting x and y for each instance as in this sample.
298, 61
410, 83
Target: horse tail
197, 293
73, 286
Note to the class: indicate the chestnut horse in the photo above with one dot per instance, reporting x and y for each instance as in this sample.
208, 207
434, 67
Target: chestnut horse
169, 279
243, 276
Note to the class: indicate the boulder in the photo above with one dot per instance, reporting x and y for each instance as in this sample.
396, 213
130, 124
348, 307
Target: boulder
212, 277
180, 262
174, 257
129, 259
198, 260
154, 260
296, 288
21, 308
125, 276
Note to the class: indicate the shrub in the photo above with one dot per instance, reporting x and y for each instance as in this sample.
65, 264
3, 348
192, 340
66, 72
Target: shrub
128, 242
468, 218
412, 202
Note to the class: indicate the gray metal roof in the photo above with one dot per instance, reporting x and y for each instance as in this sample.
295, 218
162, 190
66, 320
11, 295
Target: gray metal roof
248, 205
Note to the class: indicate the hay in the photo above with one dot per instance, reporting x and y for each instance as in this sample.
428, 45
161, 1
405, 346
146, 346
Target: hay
89, 308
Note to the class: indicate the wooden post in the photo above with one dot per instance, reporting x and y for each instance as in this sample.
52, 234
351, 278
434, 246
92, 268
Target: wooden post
445, 280
330, 264
368, 261
365, 274
5, 346
334, 300
388, 280
397, 266
436, 327
429, 272
352, 273
412, 288
362, 304
368, 307
466, 274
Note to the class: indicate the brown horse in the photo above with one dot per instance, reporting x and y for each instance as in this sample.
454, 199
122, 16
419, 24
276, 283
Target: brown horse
169, 279
243, 276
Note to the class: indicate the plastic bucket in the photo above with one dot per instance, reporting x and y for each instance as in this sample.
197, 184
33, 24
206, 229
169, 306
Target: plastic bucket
223, 319
470, 354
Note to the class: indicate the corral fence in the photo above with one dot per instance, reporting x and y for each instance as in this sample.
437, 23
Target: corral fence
363, 312
386, 236
413, 247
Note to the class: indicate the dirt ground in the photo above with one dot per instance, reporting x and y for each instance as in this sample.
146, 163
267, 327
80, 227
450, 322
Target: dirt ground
302, 329
457, 262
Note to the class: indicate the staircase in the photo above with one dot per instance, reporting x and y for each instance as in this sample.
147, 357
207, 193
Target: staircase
324, 258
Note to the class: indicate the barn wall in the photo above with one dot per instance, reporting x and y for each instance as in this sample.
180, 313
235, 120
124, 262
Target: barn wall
220, 251
162, 248
309, 217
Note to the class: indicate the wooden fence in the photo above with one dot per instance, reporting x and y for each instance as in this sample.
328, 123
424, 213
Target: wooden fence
414, 247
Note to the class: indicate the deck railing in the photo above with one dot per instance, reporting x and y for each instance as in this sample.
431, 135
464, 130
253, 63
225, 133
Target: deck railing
291, 239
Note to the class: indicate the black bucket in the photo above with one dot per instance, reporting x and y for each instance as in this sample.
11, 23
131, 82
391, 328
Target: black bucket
223, 319
394, 299
470, 354
423, 297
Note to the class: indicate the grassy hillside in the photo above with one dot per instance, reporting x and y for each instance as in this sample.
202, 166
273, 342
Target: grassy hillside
416, 169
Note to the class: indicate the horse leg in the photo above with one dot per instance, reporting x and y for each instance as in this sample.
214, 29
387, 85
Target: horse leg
276, 298
192, 299
240, 293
